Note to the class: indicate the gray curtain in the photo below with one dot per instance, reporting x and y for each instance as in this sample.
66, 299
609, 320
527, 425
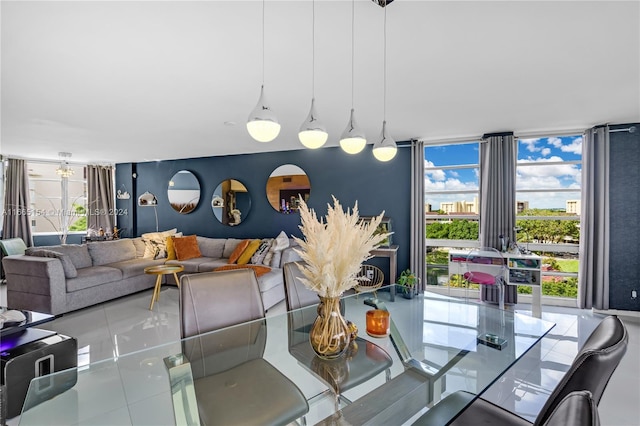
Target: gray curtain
593, 275
498, 157
100, 198
17, 223
418, 249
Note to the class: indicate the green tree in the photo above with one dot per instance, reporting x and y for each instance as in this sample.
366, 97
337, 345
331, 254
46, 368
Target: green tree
461, 229
79, 224
548, 231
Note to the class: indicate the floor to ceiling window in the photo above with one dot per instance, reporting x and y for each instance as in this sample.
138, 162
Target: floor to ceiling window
548, 185
547, 207
58, 202
452, 198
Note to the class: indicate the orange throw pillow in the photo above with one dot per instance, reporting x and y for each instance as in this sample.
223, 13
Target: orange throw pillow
237, 252
186, 247
259, 269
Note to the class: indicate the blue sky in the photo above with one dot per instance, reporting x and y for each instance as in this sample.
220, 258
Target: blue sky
530, 151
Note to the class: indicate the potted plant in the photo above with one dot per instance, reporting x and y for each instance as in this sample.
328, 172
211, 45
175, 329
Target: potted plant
407, 281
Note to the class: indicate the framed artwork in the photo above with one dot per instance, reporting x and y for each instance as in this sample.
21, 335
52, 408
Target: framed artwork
383, 227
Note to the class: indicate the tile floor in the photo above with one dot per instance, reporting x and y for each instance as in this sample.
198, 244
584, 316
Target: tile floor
126, 326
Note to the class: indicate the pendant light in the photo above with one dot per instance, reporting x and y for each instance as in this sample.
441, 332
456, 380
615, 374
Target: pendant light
353, 139
262, 124
385, 148
312, 133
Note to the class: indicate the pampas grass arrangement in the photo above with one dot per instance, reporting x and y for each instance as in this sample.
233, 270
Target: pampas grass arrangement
335, 248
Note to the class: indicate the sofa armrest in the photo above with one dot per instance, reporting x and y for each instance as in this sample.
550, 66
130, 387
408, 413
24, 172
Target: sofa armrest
34, 279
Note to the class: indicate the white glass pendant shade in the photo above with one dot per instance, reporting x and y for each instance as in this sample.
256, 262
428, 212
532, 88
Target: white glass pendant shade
385, 149
353, 139
262, 124
312, 133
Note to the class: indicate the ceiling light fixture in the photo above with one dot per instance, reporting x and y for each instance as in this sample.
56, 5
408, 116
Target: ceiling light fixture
64, 170
312, 132
262, 124
385, 148
353, 139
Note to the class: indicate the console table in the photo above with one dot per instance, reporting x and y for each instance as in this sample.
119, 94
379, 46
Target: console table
392, 254
521, 269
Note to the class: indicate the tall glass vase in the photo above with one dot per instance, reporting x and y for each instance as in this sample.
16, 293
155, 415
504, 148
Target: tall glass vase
330, 335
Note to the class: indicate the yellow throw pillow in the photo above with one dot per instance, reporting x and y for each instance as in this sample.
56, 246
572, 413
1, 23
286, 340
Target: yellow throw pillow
242, 245
171, 250
245, 257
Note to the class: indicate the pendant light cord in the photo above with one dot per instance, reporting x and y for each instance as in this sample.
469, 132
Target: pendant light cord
263, 42
384, 56
353, 2
313, 49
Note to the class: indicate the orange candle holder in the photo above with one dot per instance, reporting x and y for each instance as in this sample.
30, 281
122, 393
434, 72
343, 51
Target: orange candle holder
378, 323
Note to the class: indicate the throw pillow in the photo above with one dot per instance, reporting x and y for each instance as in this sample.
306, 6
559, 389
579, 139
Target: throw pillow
281, 242
156, 244
242, 245
186, 247
258, 269
245, 257
171, 251
70, 271
259, 255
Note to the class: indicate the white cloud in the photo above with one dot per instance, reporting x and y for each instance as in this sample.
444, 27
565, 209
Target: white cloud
574, 147
531, 144
556, 142
545, 151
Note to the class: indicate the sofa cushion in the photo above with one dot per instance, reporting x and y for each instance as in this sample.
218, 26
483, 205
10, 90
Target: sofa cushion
237, 252
134, 267
70, 271
211, 247
93, 276
245, 257
78, 253
229, 246
210, 264
190, 265
105, 252
186, 247
262, 251
139, 245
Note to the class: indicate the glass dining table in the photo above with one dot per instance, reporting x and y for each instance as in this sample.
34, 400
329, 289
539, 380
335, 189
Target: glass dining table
437, 345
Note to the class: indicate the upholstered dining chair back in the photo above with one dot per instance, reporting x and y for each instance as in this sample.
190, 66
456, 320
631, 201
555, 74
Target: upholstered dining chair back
222, 319
593, 365
222, 313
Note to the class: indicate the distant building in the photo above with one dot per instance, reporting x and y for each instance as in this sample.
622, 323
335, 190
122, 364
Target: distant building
469, 207
573, 207
521, 206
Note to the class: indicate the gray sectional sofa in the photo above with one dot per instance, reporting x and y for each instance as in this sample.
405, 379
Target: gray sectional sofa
64, 278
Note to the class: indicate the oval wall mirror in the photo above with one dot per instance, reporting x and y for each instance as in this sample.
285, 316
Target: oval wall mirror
284, 185
184, 192
231, 202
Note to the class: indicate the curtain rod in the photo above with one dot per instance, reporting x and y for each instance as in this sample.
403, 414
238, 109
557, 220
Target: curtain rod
631, 129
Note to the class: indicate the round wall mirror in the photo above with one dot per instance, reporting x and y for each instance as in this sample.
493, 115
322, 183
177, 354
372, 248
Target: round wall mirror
284, 185
184, 192
231, 202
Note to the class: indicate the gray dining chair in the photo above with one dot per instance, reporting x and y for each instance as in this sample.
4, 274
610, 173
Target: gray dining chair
590, 371
224, 335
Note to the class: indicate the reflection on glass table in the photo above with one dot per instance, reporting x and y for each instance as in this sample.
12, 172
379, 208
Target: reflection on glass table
437, 353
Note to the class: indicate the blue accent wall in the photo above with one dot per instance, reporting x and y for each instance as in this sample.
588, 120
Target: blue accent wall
374, 185
624, 211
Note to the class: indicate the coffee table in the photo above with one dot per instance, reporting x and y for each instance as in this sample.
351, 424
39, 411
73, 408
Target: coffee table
161, 270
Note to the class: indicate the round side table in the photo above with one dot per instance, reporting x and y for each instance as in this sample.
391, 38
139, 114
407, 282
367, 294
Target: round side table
161, 270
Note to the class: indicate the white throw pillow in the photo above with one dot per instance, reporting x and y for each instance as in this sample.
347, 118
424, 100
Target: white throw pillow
156, 243
280, 243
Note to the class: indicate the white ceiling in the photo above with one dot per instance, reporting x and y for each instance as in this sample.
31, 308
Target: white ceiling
125, 81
